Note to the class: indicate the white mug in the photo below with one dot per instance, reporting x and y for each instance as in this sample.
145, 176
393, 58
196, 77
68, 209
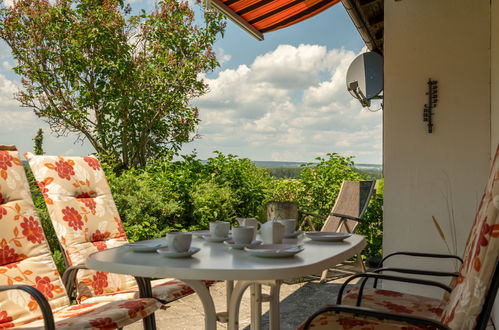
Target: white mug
272, 232
289, 225
179, 241
219, 229
249, 222
242, 234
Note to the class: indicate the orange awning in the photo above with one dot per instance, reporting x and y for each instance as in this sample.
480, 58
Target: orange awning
261, 16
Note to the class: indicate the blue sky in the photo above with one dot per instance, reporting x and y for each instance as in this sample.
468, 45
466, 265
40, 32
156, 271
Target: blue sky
281, 99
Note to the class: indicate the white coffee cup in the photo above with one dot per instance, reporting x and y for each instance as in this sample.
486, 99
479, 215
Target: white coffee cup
272, 232
219, 229
249, 222
289, 225
179, 241
242, 234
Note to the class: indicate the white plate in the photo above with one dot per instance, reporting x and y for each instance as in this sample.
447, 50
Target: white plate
200, 233
146, 246
274, 250
240, 246
293, 235
215, 239
173, 254
327, 236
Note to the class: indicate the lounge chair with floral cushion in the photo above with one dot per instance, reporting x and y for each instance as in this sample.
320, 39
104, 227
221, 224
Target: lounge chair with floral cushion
465, 304
32, 295
86, 220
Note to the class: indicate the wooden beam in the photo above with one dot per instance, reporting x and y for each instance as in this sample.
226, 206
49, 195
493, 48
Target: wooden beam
229, 13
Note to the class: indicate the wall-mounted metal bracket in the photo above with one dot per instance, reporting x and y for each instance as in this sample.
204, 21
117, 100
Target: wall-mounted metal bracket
432, 103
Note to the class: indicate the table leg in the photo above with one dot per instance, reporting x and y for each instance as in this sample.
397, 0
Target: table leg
274, 311
235, 302
256, 306
145, 291
210, 315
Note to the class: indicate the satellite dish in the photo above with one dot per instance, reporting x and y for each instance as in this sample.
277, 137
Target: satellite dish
365, 77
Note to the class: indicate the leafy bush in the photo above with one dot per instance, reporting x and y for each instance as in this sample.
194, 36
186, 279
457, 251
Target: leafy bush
372, 226
212, 202
250, 185
187, 194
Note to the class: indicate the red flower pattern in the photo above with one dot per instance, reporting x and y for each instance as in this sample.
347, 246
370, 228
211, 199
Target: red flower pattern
44, 190
98, 240
64, 169
32, 230
104, 323
90, 203
5, 320
99, 282
44, 286
350, 322
133, 306
8, 255
3, 211
389, 293
397, 308
5, 160
92, 162
73, 218
436, 310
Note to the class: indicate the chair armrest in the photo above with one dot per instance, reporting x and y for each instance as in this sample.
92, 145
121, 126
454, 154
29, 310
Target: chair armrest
367, 276
48, 318
413, 271
375, 313
349, 217
421, 254
312, 214
69, 278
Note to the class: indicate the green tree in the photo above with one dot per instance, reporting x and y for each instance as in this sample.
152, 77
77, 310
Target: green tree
121, 81
38, 139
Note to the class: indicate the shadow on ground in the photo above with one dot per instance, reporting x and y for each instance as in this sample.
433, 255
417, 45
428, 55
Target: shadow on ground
296, 307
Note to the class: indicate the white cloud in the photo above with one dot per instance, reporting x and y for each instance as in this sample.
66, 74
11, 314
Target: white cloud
289, 104
222, 57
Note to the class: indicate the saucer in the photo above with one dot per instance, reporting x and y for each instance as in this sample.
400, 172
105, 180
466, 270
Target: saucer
293, 235
240, 246
325, 236
215, 239
173, 254
200, 233
147, 246
274, 250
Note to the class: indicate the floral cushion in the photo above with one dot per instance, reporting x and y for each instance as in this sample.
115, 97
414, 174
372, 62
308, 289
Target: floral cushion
396, 302
166, 289
345, 321
481, 256
25, 256
111, 315
86, 220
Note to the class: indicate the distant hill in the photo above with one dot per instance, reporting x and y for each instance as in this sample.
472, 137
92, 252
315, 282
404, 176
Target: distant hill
276, 164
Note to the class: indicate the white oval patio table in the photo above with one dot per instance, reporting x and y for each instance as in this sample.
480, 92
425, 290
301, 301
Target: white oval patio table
216, 261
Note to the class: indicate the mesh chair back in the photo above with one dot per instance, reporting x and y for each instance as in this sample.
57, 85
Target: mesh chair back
352, 200
25, 256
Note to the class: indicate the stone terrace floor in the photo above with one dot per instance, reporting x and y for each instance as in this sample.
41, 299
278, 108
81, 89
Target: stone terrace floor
298, 300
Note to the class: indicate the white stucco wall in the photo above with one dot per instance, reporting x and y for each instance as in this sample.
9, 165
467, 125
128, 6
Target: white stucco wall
443, 172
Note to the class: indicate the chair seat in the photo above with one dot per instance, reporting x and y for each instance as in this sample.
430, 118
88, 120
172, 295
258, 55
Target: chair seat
165, 289
333, 320
110, 315
396, 302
